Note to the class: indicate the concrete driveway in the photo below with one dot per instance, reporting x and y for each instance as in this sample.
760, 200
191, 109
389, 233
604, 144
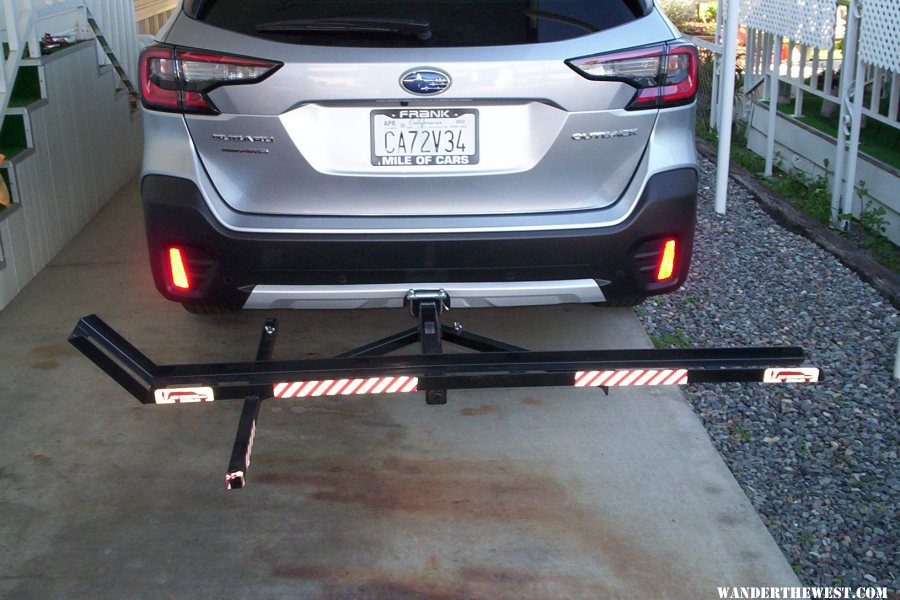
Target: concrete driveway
525, 493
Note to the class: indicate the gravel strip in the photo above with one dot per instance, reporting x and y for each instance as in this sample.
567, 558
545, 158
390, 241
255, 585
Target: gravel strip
819, 462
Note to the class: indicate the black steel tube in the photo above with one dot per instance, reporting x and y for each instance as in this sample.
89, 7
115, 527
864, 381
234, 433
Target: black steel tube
384, 345
476, 342
236, 476
470, 364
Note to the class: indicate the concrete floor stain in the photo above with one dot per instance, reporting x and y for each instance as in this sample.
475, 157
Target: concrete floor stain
470, 494
484, 409
45, 365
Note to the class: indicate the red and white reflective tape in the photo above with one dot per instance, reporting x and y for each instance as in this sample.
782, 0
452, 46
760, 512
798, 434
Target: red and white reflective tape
631, 377
346, 387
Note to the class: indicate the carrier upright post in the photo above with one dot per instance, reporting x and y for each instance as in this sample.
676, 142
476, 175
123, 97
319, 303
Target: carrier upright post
235, 477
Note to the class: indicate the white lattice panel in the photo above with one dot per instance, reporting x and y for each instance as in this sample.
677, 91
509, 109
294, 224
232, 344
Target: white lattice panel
879, 35
806, 21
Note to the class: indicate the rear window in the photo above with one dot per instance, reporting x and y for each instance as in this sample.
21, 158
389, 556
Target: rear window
422, 23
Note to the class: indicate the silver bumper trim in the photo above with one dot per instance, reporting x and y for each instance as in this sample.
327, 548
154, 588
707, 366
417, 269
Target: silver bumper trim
462, 295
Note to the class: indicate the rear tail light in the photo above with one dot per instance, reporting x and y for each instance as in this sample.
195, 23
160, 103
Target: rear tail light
179, 80
664, 75
666, 261
177, 270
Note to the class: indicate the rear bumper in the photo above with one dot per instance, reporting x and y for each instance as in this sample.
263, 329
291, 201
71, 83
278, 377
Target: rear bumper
226, 266
392, 295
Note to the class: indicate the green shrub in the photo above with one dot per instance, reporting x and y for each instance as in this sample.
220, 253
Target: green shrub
680, 11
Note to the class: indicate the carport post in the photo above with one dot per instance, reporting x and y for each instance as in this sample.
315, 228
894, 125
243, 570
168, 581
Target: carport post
726, 98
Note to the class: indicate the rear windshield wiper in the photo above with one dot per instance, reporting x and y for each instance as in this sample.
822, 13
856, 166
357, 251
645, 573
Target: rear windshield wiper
420, 29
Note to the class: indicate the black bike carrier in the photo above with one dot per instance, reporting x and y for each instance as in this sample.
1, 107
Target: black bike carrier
367, 370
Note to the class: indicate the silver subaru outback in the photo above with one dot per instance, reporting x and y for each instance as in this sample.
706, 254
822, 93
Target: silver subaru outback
337, 154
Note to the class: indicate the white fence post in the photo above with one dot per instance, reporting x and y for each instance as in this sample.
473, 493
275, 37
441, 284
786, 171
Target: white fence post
773, 104
855, 127
716, 73
726, 104
847, 84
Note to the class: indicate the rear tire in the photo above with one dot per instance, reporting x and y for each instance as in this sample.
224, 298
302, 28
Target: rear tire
624, 302
196, 308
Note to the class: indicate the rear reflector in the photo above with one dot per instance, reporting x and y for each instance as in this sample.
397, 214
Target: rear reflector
183, 395
791, 375
177, 270
666, 261
626, 377
346, 387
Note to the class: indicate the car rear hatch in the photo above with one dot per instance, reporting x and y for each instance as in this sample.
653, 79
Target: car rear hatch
493, 118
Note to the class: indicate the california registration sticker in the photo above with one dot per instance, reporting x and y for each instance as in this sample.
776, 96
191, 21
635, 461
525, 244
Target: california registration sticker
792, 375
183, 395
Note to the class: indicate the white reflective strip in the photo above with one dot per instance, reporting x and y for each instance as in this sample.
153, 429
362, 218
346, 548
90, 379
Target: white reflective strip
369, 383
385, 381
595, 376
676, 377
626, 377
345, 387
582, 378
619, 376
250, 443
398, 383
591, 377
647, 376
791, 375
183, 395
661, 376
306, 389
631, 377
352, 387
338, 386
602, 378
322, 387
292, 389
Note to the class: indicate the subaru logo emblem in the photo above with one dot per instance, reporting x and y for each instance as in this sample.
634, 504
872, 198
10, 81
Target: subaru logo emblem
425, 81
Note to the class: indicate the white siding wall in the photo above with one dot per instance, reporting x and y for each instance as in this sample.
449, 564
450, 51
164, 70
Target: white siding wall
808, 150
87, 145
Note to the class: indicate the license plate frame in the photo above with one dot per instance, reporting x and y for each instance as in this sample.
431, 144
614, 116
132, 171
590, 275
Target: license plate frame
450, 122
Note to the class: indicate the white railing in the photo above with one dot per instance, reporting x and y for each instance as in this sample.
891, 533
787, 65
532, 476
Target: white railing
116, 21
807, 34
23, 22
19, 21
841, 81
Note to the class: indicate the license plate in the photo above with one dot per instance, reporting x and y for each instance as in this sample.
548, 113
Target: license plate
424, 137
